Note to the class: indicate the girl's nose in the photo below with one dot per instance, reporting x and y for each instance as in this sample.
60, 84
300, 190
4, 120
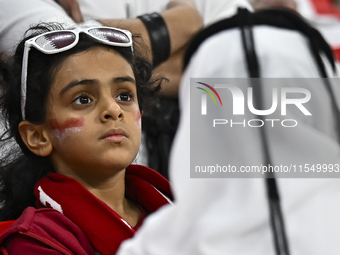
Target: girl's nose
111, 110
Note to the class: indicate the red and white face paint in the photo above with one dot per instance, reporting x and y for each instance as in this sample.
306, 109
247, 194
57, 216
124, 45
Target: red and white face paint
68, 128
138, 119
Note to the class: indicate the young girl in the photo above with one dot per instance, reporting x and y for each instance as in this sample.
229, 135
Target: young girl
73, 103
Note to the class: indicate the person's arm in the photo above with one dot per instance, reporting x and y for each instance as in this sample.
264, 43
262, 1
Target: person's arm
181, 17
72, 8
264, 4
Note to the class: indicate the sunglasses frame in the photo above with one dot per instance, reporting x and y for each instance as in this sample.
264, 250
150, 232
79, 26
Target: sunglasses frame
32, 43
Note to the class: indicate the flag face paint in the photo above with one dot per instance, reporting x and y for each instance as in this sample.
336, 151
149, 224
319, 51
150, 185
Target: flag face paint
68, 128
138, 119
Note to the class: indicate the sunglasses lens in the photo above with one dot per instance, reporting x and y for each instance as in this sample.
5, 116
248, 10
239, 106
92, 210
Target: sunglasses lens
56, 40
111, 35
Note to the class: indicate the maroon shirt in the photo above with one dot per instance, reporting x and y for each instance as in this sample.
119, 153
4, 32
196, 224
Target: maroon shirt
49, 231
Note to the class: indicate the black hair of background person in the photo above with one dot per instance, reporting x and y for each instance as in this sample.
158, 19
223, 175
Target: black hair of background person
160, 131
20, 169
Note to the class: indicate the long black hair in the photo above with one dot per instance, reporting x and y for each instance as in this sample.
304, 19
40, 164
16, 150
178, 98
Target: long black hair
20, 169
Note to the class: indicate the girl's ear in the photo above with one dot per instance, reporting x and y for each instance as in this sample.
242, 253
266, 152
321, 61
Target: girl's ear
36, 138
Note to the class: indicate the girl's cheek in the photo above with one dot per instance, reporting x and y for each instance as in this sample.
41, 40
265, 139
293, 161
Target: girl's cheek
138, 119
68, 128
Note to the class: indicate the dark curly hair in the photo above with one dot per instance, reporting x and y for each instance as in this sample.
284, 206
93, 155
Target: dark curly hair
20, 169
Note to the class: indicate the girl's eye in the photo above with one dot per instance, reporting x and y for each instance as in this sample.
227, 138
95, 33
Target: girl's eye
125, 96
82, 100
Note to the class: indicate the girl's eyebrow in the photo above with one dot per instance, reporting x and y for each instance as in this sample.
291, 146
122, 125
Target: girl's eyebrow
75, 83
124, 79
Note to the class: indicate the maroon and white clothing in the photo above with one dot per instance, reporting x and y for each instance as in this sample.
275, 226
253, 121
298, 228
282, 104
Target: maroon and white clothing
70, 220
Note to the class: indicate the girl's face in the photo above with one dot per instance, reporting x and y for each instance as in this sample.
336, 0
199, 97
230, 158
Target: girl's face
93, 118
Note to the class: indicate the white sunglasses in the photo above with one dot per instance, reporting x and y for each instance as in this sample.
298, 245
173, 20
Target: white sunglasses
62, 40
